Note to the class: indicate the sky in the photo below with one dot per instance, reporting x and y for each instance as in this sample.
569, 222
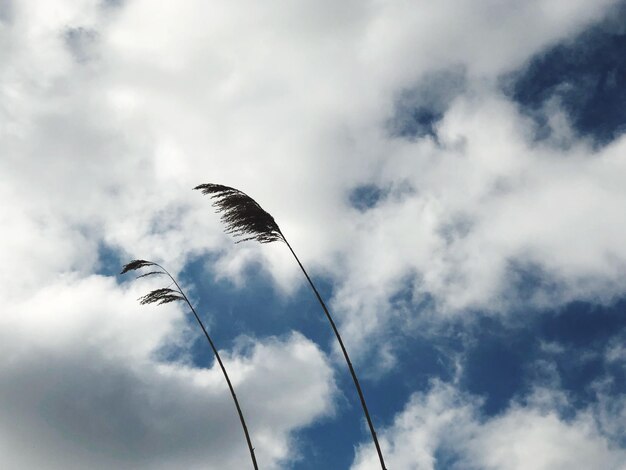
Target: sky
451, 174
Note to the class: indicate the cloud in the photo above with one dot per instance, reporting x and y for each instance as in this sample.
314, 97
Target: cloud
112, 115
444, 426
84, 376
494, 222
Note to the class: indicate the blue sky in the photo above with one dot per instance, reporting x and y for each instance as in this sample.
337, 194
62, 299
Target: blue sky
450, 174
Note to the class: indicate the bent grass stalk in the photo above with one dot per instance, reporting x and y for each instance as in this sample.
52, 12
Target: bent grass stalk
166, 295
246, 219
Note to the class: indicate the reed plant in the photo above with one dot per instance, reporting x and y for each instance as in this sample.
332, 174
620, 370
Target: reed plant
165, 295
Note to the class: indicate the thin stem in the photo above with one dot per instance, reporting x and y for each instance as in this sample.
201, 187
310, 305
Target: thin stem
219, 360
345, 355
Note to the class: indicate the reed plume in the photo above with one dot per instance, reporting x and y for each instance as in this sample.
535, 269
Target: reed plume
165, 295
246, 219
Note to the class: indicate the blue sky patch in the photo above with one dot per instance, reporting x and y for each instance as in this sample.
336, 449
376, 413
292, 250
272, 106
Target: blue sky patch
586, 76
366, 196
418, 110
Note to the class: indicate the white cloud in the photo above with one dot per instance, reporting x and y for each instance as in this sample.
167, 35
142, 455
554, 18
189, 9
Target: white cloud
297, 98
487, 203
418, 431
444, 423
528, 439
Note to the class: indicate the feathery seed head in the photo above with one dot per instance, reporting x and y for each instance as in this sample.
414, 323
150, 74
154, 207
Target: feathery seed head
136, 264
165, 295
242, 215
151, 273
160, 296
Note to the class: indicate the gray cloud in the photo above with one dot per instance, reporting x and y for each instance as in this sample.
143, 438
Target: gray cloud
83, 386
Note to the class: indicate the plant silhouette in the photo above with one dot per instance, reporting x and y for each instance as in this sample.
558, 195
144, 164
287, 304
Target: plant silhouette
166, 295
246, 219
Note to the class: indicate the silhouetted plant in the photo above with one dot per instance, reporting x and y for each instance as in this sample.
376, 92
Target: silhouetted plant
166, 295
246, 219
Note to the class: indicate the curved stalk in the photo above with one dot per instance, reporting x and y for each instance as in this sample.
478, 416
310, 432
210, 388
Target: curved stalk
206, 334
345, 355
219, 360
